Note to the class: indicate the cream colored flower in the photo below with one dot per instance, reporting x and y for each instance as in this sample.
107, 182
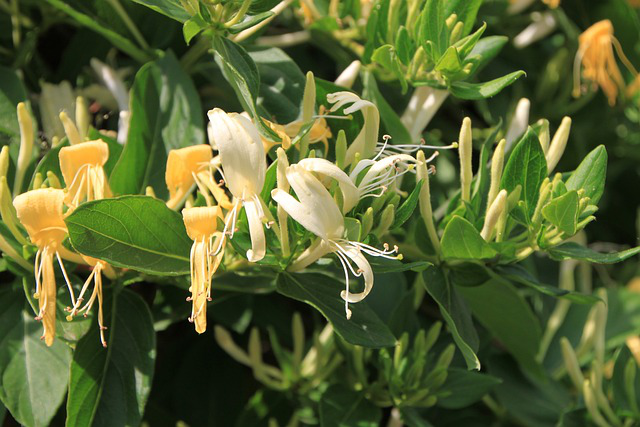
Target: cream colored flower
316, 210
82, 168
244, 166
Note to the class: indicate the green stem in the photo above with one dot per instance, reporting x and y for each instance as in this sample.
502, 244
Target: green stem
131, 26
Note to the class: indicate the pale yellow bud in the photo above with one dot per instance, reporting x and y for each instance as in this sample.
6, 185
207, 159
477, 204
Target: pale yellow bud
493, 214
497, 165
465, 151
26, 146
558, 144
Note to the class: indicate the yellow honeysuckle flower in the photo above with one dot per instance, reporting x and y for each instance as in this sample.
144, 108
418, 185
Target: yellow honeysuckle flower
40, 211
206, 254
317, 211
244, 166
183, 166
95, 276
599, 64
319, 132
82, 168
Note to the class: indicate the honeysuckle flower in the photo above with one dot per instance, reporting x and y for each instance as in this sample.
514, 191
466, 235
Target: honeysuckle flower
244, 166
599, 65
316, 210
541, 26
382, 173
116, 86
365, 142
319, 132
82, 168
206, 254
96, 295
183, 167
349, 75
25, 153
40, 212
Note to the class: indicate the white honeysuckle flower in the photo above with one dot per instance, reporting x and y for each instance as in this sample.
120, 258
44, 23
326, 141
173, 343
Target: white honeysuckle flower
423, 105
116, 86
316, 210
541, 26
349, 75
382, 173
325, 167
517, 6
244, 166
365, 142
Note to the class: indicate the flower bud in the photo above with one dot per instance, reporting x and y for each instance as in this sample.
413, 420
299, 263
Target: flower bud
519, 122
348, 77
4, 160
465, 151
558, 144
70, 129
386, 219
83, 118
543, 135
426, 210
497, 165
571, 363
26, 146
493, 214
367, 221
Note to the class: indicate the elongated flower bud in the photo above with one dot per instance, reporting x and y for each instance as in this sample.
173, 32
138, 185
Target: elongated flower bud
544, 135
70, 129
4, 160
308, 109
26, 146
426, 210
465, 149
493, 214
558, 144
341, 149
571, 363
519, 122
349, 75
497, 164
83, 118
283, 184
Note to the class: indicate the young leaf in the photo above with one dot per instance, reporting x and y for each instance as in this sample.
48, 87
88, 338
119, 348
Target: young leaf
323, 293
526, 167
563, 212
591, 174
250, 21
136, 232
573, 250
462, 241
165, 114
110, 386
406, 209
466, 10
475, 91
433, 27
386, 56
33, 377
455, 313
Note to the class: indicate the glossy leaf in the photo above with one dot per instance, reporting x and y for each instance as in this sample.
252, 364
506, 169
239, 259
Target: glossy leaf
281, 83
462, 388
110, 386
406, 209
165, 114
323, 292
136, 232
171, 8
33, 377
456, 314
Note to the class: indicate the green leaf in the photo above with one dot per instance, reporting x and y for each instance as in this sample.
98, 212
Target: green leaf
519, 274
249, 21
390, 119
165, 114
192, 28
433, 28
449, 63
136, 232
526, 167
171, 8
406, 209
342, 407
33, 377
323, 293
462, 241
242, 74
466, 45
455, 313
591, 174
281, 83
384, 265
386, 56
573, 250
404, 45
563, 212
475, 91
110, 386
507, 315
626, 389
462, 388
484, 51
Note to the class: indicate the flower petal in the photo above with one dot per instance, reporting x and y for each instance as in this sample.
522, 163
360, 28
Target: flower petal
256, 230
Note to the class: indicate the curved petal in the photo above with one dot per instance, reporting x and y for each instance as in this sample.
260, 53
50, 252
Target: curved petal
325, 167
365, 142
359, 259
299, 212
241, 152
256, 230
